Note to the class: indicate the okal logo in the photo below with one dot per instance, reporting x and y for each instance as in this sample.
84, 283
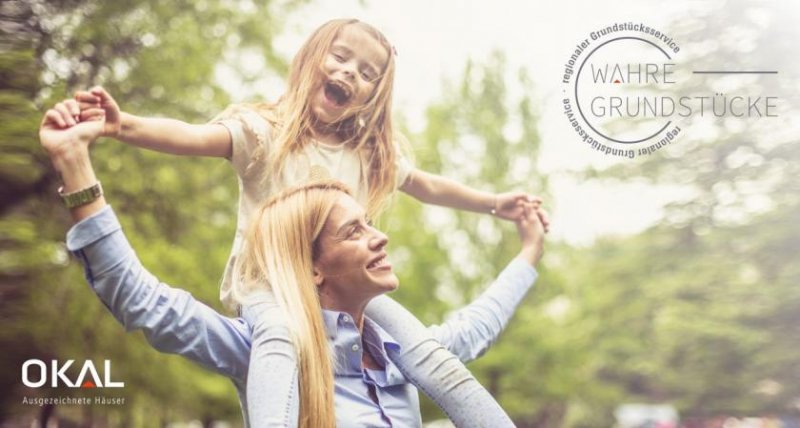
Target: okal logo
36, 373
620, 91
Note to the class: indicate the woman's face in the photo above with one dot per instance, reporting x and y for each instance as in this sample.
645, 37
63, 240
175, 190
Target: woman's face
352, 69
352, 265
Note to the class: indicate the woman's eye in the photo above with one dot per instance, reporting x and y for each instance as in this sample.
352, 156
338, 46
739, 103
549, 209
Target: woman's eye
338, 57
355, 233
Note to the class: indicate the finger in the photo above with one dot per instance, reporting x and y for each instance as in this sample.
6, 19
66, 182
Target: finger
519, 196
544, 217
73, 107
526, 210
107, 102
530, 206
542, 214
86, 97
54, 117
101, 93
534, 199
92, 114
62, 109
87, 105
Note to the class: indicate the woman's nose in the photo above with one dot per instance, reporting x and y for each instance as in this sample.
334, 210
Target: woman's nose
379, 240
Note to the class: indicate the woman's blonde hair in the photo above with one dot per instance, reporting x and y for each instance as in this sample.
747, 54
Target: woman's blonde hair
368, 131
279, 249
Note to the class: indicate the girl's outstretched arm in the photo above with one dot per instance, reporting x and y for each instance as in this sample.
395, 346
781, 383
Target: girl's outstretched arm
159, 134
435, 189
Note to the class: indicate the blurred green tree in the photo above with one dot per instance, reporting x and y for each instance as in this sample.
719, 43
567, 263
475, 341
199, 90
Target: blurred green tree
701, 310
157, 58
483, 132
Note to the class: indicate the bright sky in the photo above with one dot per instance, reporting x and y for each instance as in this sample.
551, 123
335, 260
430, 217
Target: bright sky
434, 39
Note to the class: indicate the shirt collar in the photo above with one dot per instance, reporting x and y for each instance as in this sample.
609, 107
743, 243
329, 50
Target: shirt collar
378, 339
331, 320
334, 319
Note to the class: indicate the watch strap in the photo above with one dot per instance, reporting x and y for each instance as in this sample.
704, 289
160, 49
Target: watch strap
81, 197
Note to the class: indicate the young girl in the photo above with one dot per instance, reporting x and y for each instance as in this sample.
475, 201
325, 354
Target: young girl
333, 121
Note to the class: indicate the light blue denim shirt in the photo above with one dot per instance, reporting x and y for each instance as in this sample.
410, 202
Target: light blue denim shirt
174, 322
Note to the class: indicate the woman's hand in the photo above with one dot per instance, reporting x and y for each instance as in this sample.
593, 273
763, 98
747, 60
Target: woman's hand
531, 229
66, 132
66, 140
102, 108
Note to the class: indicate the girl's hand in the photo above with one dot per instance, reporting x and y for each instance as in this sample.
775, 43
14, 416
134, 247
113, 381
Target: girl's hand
510, 205
98, 105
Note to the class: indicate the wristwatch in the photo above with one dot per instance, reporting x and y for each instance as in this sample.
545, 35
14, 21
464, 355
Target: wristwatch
81, 197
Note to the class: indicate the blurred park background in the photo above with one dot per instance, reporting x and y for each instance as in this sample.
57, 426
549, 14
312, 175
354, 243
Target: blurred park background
668, 280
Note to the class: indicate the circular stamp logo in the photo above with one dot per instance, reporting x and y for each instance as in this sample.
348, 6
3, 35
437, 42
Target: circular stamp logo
620, 85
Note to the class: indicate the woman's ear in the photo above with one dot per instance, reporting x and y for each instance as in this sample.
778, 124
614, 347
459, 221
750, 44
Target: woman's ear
317, 276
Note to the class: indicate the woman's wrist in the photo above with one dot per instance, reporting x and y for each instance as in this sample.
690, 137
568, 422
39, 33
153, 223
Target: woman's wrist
76, 169
77, 173
531, 254
70, 160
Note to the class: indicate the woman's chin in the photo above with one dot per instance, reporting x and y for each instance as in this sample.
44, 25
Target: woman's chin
392, 284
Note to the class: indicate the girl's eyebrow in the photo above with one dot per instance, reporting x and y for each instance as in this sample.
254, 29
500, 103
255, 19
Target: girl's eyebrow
346, 50
341, 47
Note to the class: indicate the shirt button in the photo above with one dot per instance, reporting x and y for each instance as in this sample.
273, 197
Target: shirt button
355, 348
346, 318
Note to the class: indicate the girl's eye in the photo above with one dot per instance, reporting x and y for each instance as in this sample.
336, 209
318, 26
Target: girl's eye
369, 222
338, 57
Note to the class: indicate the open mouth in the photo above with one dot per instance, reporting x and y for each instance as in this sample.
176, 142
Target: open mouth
337, 92
381, 262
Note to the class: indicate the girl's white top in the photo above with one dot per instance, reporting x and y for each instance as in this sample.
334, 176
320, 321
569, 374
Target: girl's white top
316, 161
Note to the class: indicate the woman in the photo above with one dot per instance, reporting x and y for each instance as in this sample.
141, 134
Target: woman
338, 265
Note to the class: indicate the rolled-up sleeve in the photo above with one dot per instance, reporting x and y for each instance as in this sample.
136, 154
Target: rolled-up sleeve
171, 319
403, 170
249, 132
470, 331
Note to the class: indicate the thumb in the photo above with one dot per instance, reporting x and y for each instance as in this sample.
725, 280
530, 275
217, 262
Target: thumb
106, 100
113, 117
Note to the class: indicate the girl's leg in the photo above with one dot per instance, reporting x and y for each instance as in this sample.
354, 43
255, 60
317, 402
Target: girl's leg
272, 388
436, 371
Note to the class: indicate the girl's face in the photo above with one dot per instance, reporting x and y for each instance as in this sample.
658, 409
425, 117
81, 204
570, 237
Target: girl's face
351, 71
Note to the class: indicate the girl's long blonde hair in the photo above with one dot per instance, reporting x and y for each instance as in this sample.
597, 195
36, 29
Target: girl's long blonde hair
368, 131
279, 249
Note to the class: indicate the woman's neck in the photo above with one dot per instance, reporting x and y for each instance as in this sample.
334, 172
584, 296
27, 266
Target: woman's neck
355, 311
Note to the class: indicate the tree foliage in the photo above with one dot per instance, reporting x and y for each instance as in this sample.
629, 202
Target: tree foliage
700, 311
157, 58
